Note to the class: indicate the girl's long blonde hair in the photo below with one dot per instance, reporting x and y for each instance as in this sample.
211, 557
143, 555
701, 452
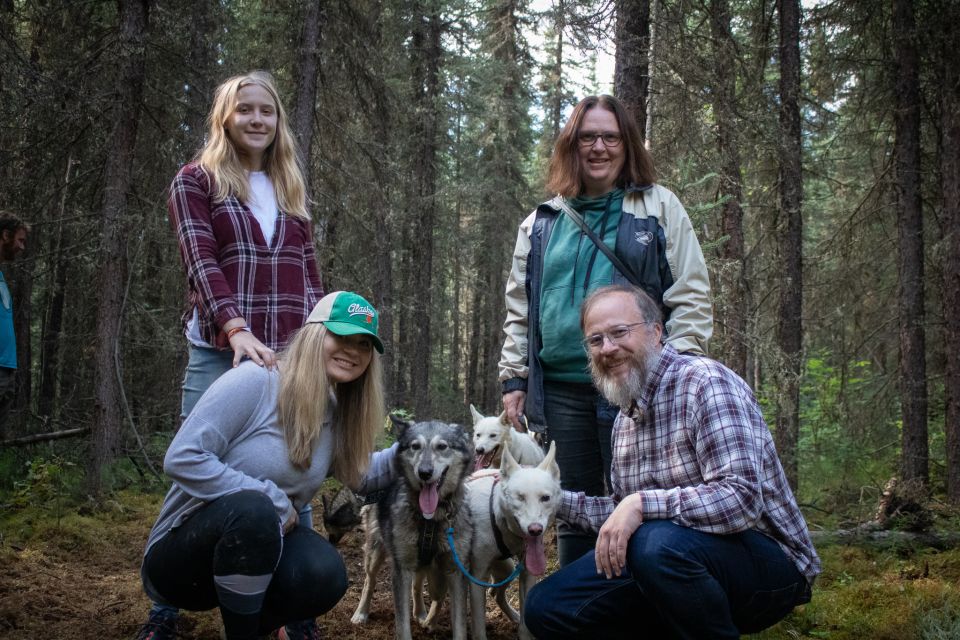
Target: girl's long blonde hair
281, 161
302, 406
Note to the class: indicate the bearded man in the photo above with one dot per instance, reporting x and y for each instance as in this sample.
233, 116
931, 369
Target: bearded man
701, 536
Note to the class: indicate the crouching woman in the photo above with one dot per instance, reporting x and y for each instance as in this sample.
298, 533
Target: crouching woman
253, 452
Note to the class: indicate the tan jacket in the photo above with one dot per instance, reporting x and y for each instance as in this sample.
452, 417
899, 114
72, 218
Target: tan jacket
691, 318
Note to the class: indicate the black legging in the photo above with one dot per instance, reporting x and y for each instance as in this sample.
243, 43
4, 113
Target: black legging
239, 534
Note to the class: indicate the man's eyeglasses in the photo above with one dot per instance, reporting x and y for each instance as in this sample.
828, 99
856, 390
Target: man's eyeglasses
615, 336
609, 138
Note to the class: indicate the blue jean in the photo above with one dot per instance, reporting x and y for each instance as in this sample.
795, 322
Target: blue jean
678, 583
204, 366
580, 421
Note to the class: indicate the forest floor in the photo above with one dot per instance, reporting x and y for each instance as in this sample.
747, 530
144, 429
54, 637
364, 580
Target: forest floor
73, 573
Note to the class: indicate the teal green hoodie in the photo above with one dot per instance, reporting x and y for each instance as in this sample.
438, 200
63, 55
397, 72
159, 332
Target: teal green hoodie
573, 267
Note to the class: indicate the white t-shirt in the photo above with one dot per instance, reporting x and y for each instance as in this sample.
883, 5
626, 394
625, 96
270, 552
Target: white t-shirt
263, 205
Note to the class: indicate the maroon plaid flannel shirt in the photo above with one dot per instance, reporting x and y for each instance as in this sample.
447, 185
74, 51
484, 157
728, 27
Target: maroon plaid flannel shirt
696, 448
231, 272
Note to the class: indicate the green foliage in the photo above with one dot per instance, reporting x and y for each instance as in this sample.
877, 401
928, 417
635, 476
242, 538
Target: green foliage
848, 443
940, 623
45, 484
866, 595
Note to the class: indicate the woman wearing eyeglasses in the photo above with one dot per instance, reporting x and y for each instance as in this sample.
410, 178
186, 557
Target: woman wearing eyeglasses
601, 170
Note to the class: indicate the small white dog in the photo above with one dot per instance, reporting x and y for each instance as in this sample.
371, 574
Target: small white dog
493, 434
511, 510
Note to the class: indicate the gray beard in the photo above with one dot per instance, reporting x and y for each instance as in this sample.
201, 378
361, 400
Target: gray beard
622, 394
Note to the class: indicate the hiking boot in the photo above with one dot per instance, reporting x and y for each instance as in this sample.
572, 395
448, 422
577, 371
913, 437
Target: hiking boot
300, 630
161, 625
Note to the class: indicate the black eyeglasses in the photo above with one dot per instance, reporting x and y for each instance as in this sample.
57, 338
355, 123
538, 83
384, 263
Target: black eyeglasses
615, 335
609, 138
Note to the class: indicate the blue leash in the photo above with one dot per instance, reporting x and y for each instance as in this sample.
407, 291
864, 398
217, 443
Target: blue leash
516, 570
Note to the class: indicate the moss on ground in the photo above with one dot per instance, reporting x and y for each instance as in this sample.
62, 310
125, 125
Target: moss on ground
879, 595
77, 562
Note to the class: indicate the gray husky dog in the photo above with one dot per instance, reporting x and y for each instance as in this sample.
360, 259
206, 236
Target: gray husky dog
413, 516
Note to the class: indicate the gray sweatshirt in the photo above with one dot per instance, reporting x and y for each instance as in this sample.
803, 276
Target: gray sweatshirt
231, 442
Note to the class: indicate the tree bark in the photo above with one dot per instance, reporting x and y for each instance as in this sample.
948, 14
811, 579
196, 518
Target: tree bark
308, 65
950, 192
112, 273
427, 53
556, 93
731, 301
203, 58
789, 326
631, 73
906, 158
53, 317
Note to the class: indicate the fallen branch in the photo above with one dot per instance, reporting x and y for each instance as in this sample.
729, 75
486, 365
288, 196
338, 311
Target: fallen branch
44, 437
872, 536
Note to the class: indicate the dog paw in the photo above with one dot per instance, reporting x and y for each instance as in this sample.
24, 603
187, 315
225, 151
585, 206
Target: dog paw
359, 618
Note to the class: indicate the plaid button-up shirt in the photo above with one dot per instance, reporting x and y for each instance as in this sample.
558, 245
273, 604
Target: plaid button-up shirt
232, 272
697, 450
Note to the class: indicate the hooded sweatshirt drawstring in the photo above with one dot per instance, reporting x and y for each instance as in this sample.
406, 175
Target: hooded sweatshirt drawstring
593, 258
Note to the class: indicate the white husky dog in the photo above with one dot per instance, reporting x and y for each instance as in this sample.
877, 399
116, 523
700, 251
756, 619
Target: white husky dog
511, 510
493, 434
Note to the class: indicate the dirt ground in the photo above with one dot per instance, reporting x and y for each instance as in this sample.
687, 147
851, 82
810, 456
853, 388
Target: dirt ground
65, 585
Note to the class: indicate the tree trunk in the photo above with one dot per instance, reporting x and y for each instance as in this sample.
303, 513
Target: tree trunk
53, 317
111, 275
308, 65
906, 158
789, 326
731, 301
203, 57
427, 52
22, 293
950, 190
556, 89
631, 73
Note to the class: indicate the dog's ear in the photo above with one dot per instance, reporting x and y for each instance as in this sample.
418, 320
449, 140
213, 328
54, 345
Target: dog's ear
504, 420
507, 464
325, 499
477, 416
466, 433
549, 461
399, 424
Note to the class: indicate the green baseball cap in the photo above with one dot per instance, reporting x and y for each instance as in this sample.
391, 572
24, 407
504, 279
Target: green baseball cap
346, 314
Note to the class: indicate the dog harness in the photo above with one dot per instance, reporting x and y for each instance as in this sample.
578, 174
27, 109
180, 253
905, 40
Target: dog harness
427, 541
497, 535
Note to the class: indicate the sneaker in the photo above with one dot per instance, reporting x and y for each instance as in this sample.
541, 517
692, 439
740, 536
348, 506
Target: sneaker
301, 630
160, 626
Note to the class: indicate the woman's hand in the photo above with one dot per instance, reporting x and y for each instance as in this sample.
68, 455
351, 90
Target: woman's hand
513, 404
244, 343
291, 522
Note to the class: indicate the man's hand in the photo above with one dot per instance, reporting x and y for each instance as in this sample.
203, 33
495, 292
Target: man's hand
611, 550
513, 404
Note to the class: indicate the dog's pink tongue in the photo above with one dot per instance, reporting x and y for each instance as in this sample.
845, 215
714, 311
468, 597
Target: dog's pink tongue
482, 461
534, 558
429, 499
